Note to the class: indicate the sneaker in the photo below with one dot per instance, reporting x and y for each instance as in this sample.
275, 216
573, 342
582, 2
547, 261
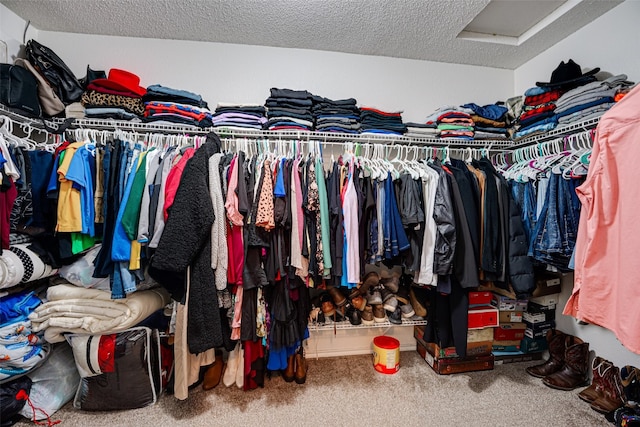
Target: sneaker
392, 283
367, 316
403, 295
395, 316
407, 311
391, 303
374, 298
379, 315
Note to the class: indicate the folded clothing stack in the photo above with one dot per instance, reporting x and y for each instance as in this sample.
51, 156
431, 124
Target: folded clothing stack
336, 116
453, 122
422, 130
289, 110
590, 100
490, 121
381, 122
246, 116
538, 112
21, 351
119, 96
175, 106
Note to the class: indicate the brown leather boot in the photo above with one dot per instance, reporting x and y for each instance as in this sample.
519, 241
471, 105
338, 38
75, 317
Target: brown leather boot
338, 298
213, 374
370, 279
289, 374
611, 398
556, 342
594, 391
301, 368
359, 302
576, 366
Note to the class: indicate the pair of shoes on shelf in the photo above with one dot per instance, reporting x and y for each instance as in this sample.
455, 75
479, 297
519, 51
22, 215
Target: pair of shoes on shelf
213, 374
234, 374
296, 368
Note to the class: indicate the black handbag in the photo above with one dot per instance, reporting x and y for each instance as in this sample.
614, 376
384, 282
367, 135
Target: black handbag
55, 71
19, 90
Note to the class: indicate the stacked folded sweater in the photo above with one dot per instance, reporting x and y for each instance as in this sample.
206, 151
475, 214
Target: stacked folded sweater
422, 130
381, 122
453, 122
102, 101
246, 116
490, 121
538, 112
175, 106
289, 110
336, 116
590, 100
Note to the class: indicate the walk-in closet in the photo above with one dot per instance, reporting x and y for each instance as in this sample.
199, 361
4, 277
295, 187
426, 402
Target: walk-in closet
250, 212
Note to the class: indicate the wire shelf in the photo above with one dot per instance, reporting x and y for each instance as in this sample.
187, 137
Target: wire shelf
330, 326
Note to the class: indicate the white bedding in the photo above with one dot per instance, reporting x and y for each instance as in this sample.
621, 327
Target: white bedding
72, 309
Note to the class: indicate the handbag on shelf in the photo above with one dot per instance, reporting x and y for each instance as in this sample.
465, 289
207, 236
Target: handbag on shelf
52, 68
19, 90
49, 101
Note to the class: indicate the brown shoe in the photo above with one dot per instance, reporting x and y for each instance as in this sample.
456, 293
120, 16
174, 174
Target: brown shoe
595, 390
213, 374
612, 396
301, 368
392, 283
338, 298
379, 316
326, 304
370, 279
576, 366
418, 307
289, 373
367, 316
359, 302
557, 345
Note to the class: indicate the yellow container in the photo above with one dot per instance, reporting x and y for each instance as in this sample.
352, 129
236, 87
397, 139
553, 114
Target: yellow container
386, 354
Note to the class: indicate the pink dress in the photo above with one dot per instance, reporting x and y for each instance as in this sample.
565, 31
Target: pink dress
607, 270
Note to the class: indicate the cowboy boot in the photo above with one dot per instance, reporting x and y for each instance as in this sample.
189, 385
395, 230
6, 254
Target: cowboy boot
594, 391
289, 373
611, 398
370, 279
556, 340
576, 366
630, 379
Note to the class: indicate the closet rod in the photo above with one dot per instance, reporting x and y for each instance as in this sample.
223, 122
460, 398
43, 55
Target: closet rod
557, 132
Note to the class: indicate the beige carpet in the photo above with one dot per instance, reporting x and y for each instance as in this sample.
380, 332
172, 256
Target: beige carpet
346, 391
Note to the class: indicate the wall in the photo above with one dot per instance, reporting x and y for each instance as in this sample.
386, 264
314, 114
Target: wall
242, 73
11, 32
610, 42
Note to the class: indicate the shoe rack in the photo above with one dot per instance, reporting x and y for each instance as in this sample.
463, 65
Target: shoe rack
333, 339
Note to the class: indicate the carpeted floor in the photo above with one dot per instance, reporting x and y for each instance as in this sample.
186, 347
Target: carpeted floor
346, 391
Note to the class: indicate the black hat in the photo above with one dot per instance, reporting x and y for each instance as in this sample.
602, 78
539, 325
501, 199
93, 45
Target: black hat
567, 74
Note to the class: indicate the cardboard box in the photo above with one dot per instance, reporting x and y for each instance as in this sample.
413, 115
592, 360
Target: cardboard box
484, 316
503, 357
548, 284
542, 333
530, 345
506, 345
541, 326
546, 300
542, 317
503, 303
480, 298
510, 316
445, 366
474, 347
504, 334
513, 325
537, 308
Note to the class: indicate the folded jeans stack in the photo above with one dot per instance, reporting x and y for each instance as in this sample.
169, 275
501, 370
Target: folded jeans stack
289, 110
381, 122
336, 116
175, 106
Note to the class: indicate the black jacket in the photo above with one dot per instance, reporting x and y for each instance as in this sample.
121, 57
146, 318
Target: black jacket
186, 242
520, 267
445, 246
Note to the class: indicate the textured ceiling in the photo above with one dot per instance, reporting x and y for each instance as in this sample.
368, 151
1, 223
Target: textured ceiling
414, 29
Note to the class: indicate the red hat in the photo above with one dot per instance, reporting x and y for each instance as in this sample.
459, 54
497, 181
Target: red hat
121, 80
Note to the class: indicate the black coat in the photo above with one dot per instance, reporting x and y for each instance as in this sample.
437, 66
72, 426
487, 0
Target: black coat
186, 242
520, 266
